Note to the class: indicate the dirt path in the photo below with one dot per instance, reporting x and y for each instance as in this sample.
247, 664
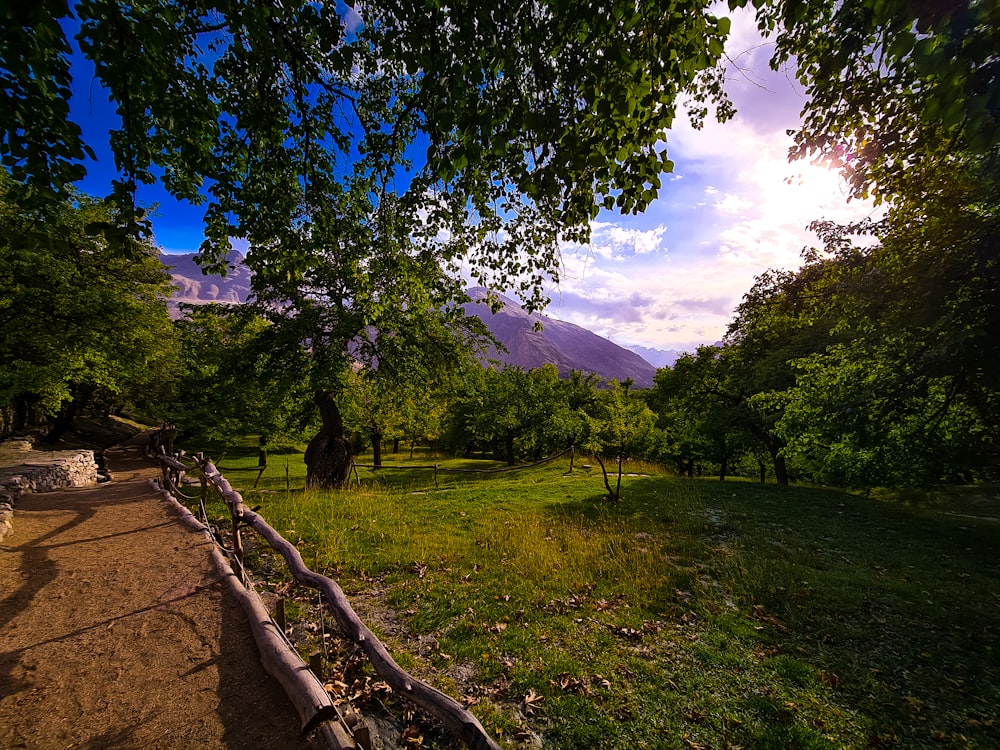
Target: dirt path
115, 633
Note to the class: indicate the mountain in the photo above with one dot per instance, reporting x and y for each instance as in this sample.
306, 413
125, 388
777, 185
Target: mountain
657, 357
567, 346
195, 288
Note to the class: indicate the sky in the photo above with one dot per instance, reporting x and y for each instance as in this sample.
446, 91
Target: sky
670, 278
733, 208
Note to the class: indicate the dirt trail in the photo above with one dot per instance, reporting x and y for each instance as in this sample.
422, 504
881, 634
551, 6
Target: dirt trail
115, 631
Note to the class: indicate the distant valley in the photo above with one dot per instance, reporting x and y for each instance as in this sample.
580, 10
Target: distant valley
565, 345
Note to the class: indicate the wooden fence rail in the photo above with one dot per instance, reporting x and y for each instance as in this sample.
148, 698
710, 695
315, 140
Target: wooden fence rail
452, 715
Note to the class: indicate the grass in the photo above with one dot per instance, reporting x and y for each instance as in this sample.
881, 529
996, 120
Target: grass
693, 614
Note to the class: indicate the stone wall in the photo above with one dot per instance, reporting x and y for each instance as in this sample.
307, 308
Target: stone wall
25, 470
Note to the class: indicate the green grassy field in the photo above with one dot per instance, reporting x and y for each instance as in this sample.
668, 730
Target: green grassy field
693, 614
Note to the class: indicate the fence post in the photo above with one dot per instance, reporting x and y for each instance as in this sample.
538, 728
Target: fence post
279, 615
203, 500
238, 546
572, 454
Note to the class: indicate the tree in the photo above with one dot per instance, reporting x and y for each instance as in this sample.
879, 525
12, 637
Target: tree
237, 378
408, 337
504, 412
903, 98
83, 317
372, 409
910, 395
521, 414
697, 420
622, 425
785, 316
423, 413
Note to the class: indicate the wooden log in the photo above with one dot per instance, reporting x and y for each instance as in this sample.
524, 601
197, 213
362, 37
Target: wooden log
304, 690
232, 498
455, 718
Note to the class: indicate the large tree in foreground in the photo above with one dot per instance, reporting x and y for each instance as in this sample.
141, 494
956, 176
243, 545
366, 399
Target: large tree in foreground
509, 124
366, 154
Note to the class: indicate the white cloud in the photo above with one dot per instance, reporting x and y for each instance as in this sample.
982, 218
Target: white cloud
615, 242
732, 204
735, 208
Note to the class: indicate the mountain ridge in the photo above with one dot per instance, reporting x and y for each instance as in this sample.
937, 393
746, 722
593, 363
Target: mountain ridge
565, 345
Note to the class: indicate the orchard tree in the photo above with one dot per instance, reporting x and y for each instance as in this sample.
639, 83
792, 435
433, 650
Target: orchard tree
520, 413
698, 418
911, 394
785, 316
424, 410
504, 413
622, 426
372, 409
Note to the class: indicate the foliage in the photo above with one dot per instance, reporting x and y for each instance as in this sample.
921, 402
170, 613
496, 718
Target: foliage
236, 376
378, 407
910, 394
520, 414
621, 426
83, 317
697, 423
479, 117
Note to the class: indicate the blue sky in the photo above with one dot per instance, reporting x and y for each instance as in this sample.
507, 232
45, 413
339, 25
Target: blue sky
671, 277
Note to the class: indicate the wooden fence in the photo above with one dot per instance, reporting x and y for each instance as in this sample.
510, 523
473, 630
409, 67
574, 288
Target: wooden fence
304, 689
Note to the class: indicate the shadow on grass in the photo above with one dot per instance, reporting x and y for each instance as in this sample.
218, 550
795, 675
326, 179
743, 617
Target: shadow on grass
892, 612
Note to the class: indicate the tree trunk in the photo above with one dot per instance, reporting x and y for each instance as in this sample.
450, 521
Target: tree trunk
63, 421
607, 484
395, 445
723, 467
763, 471
509, 448
780, 470
21, 411
376, 447
328, 457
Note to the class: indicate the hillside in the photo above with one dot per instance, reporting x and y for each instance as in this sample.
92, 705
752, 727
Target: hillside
195, 288
565, 345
